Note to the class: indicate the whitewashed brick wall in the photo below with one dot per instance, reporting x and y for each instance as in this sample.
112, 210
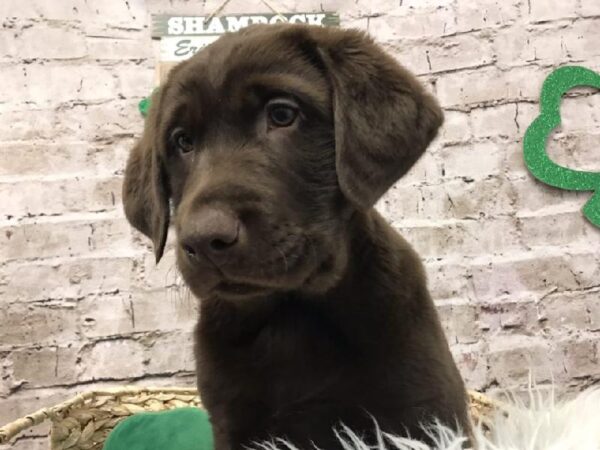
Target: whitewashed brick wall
513, 265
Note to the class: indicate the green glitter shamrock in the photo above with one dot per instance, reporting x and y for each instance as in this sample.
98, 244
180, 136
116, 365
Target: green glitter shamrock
534, 143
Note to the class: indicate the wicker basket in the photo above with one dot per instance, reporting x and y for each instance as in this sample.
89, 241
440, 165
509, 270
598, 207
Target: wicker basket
85, 421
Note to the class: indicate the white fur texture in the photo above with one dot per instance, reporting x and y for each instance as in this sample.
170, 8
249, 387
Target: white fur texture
544, 424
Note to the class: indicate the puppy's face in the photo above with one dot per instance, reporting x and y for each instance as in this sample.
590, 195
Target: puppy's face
266, 142
249, 155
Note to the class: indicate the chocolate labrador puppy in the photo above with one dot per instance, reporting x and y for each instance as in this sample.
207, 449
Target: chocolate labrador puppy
273, 144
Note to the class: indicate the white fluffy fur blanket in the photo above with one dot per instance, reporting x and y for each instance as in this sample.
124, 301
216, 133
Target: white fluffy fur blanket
544, 424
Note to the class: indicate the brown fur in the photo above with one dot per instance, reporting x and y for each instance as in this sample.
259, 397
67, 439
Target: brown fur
319, 313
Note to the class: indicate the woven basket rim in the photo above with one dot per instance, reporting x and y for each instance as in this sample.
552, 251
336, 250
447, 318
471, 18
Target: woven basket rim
12, 429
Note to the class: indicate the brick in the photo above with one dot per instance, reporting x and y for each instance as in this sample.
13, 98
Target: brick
421, 23
165, 309
32, 198
53, 84
533, 197
70, 238
580, 113
45, 366
456, 128
416, 6
452, 199
50, 42
447, 280
451, 53
518, 44
13, 84
489, 85
490, 197
473, 161
486, 14
37, 324
593, 308
513, 358
106, 316
586, 272
127, 13
73, 123
498, 121
113, 360
119, 48
559, 229
525, 114
8, 44
562, 312
575, 150
66, 10
460, 52
134, 81
6, 382
74, 159
460, 322
465, 238
588, 8
412, 56
534, 272
65, 278
171, 353
546, 44
581, 357
543, 10
472, 362
502, 315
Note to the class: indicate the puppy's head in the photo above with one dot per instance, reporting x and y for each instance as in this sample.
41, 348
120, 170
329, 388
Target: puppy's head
266, 141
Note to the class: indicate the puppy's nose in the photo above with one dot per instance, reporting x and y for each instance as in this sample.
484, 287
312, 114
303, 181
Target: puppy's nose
212, 233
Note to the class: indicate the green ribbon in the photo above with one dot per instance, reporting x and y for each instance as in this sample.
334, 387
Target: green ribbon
534, 143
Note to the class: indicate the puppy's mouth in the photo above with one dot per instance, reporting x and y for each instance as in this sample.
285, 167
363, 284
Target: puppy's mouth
249, 275
284, 271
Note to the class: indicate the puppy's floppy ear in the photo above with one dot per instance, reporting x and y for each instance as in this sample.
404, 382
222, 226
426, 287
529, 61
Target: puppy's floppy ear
145, 191
384, 120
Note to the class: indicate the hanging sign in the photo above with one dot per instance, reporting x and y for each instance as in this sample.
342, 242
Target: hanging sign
182, 36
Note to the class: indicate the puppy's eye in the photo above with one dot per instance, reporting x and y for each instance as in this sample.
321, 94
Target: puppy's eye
182, 141
282, 114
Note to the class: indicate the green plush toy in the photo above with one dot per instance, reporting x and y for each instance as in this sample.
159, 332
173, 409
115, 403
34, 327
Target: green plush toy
177, 429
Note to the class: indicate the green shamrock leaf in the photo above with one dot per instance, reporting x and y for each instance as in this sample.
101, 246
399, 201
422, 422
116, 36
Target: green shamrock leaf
534, 143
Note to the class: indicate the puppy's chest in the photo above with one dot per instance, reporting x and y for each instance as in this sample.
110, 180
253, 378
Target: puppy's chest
295, 335
294, 349
300, 357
